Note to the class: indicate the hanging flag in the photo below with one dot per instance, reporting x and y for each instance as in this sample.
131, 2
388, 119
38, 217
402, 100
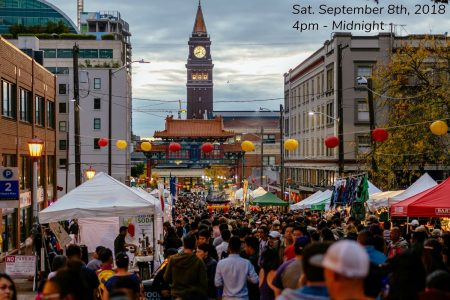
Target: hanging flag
161, 195
173, 193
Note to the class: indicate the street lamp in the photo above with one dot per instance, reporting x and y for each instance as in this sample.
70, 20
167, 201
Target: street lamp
111, 72
90, 173
312, 113
35, 147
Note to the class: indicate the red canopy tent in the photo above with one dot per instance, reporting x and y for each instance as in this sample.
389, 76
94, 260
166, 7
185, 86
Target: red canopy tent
434, 202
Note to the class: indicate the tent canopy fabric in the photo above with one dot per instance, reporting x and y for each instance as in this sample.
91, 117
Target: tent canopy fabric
373, 189
432, 203
301, 204
380, 199
321, 200
240, 193
258, 192
269, 199
102, 196
423, 183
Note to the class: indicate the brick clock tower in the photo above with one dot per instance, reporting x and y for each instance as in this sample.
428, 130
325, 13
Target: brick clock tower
199, 71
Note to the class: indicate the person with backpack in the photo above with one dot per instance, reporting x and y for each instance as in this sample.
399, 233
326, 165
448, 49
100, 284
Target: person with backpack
106, 270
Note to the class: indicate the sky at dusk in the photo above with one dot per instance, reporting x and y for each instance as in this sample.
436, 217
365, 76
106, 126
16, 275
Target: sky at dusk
253, 44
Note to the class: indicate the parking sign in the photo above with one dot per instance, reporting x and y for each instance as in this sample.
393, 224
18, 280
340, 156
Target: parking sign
9, 187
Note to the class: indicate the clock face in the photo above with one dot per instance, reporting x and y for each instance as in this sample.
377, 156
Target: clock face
199, 51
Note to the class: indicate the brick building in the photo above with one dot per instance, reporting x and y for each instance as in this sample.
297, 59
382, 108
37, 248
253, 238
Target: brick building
27, 110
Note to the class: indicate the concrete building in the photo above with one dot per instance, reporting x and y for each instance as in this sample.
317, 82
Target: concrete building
312, 109
28, 110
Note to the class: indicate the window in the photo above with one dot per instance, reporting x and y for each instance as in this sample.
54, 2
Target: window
49, 53
62, 144
96, 146
62, 88
40, 111
9, 160
269, 138
62, 126
62, 107
97, 83
62, 163
97, 103
97, 123
50, 169
25, 106
364, 71
8, 100
362, 113
88, 53
64, 53
330, 80
269, 160
24, 172
330, 112
105, 53
50, 115
363, 144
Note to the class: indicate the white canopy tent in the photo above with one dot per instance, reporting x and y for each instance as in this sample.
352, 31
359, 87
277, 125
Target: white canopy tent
373, 189
378, 200
301, 204
325, 195
240, 193
423, 183
155, 193
258, 192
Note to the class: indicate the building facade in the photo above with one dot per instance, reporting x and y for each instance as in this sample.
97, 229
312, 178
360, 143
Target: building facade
28, 97
199, 71
31, 13
314, 108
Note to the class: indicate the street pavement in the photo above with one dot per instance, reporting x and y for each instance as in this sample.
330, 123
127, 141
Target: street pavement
24, 289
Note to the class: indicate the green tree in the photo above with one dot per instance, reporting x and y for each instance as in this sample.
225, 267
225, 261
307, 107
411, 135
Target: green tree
137, 170
412, 90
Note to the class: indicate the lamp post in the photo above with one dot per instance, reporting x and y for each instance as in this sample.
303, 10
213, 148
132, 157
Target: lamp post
89, 173
35, 147
111, 73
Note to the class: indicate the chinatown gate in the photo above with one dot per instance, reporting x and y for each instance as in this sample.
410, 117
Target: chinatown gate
190, 149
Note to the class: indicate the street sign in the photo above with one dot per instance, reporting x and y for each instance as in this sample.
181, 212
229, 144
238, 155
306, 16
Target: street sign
20, 266
9, 187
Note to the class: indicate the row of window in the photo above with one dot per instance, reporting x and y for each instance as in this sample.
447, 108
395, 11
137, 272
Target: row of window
63, 108
63, 90
43, 110
62, 126
308, 177
84, 53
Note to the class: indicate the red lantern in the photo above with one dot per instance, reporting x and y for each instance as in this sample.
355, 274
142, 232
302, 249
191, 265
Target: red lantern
102, 142
380, 134
331, 141
207, 147
174, 147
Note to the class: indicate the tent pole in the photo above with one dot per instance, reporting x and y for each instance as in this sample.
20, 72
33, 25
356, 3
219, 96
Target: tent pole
407, 224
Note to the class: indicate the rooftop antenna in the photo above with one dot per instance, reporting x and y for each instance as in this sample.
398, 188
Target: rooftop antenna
80, 8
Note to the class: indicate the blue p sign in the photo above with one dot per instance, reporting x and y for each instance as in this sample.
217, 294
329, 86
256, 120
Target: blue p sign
8, 173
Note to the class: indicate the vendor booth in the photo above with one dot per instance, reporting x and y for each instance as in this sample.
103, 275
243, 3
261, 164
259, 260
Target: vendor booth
258, 192
380, 200
239, 195
433, 203
269, 199
302, 204
423, 183
322, 202
101, 206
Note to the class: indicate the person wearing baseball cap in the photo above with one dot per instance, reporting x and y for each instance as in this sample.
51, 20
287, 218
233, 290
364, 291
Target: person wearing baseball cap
346, 265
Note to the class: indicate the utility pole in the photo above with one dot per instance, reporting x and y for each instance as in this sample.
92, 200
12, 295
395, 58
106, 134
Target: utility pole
262, 156
373, 145
340, 110
109, 122
179, 109
76, 105
282, 150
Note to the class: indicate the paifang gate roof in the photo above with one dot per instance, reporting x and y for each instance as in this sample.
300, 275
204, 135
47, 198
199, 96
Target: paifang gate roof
192, 128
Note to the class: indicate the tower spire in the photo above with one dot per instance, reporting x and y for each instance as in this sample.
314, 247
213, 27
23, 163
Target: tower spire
199, 25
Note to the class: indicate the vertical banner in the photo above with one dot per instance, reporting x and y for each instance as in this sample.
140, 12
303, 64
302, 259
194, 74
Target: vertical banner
173, 194
161, 194
245, 187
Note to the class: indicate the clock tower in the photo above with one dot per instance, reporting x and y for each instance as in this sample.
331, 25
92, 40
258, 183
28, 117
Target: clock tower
199, 71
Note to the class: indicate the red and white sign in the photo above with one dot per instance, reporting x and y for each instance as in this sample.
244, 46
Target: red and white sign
442, 211
20, 265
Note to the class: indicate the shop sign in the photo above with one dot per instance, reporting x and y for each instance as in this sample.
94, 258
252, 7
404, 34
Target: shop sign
9, 187
20, 265
442, 211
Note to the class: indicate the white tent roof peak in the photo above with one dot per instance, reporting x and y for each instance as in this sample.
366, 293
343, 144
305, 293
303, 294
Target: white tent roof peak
423, 183
102, 196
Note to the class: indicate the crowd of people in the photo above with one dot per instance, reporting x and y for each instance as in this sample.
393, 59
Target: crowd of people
264, 254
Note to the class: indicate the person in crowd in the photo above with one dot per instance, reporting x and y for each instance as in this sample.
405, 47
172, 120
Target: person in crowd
8, 289
387, 231
95, 263
222, 249
346, 264
287, 244
159, 285
211, 264
119, 243
263, 235
350, 232
106, 270
312, 279
270, 261
445, 241
397, 243
204, 237
68, 284
437, 286
171, 239
122, 274
365, 238
187, 273
432, 256
179, 228
59, 262
251, 252
274, 243
288, 274
326, 235
218, 240
233, 272
75, 263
